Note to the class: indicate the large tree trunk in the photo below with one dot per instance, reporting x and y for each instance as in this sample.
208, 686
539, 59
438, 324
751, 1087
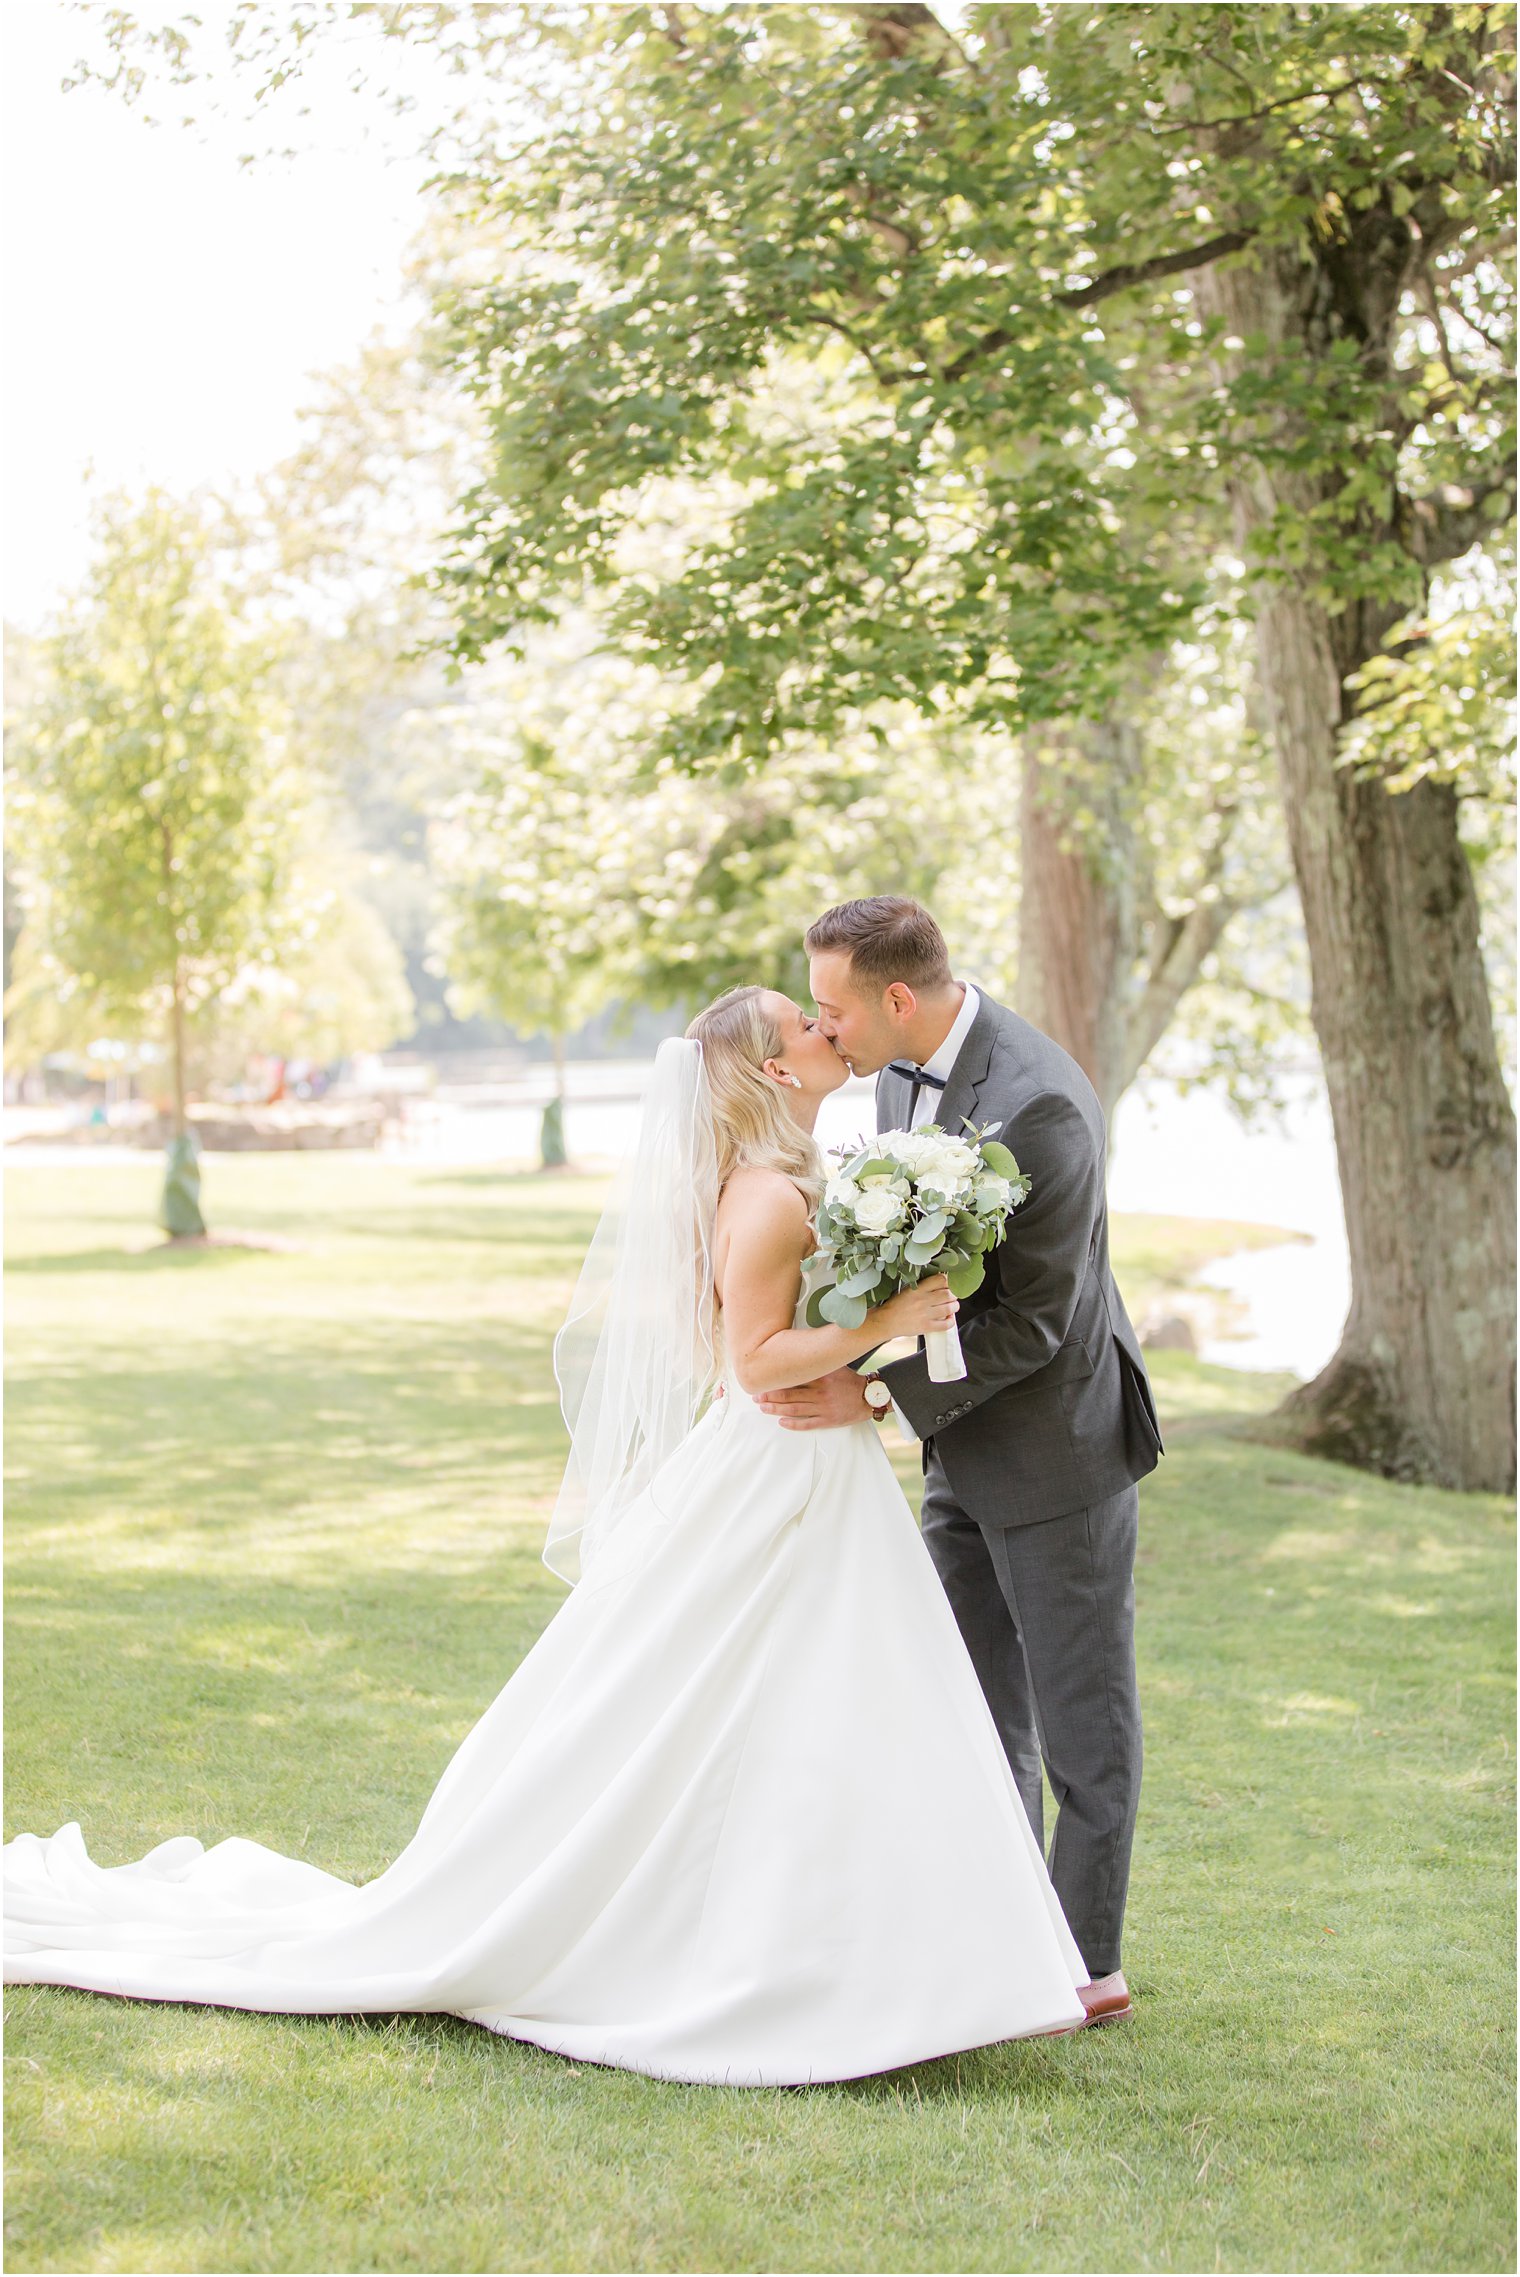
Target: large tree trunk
1077, 933
1102, 967
1422, 1386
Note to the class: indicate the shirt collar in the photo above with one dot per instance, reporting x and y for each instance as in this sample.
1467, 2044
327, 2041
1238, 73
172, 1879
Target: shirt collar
944, 1059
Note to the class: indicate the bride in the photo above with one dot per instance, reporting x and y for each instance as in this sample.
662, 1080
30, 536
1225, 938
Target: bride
741, 1816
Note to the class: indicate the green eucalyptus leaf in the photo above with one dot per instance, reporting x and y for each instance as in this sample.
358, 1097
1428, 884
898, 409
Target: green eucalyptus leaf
998, 1158
845, 1312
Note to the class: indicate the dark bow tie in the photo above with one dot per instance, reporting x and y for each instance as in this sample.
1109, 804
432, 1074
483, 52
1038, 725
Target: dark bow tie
916, 1075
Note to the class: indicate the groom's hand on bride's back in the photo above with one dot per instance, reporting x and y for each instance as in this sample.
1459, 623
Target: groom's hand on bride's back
839, 1397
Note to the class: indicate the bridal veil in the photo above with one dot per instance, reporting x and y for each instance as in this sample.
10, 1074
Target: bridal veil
637, 1354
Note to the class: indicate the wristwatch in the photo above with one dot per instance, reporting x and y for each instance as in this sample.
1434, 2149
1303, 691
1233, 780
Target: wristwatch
878, 1398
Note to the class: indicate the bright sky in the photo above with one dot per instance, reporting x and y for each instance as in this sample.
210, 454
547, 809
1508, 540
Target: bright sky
165, 305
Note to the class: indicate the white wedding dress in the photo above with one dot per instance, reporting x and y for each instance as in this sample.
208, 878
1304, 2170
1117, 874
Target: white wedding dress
741, 1816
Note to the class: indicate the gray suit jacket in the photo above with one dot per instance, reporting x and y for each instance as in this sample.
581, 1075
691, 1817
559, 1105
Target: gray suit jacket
1055, 1412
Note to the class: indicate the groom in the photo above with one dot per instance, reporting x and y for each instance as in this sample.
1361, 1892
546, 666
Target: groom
1030, 1461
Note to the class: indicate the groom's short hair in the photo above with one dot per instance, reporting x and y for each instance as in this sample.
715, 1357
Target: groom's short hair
886, 937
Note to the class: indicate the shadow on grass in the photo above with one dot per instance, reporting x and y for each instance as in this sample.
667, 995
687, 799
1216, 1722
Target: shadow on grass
440, 1232
315, 1717
271, 1446
163, 1256
1029, 2073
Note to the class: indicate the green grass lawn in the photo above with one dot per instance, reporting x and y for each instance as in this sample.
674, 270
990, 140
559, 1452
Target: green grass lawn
274, 1538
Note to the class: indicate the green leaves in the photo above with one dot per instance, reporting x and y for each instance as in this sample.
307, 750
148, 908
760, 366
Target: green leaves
157, 816
845, 1311
870, 1267
961, 255
967, 1278
896, 224
1437, 705
926, 1238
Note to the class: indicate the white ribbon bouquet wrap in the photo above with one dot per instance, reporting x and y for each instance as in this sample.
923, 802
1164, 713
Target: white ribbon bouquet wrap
903, 1206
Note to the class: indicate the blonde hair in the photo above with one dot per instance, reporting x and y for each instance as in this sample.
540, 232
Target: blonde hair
738, 1035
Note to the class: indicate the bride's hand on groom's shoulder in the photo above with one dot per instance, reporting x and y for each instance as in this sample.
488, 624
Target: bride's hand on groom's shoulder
822, 1405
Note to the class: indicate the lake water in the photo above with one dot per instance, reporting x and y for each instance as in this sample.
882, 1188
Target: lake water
1189, 1155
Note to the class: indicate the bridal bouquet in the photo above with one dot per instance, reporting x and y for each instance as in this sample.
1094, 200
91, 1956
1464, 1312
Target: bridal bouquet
903, 1206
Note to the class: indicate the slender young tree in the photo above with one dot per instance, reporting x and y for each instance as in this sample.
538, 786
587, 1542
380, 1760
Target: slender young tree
154, 812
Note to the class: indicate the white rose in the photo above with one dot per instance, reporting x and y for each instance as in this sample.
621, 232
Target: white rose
945, 1171
908, 1148
841, 1192
878, 1211
992, 1193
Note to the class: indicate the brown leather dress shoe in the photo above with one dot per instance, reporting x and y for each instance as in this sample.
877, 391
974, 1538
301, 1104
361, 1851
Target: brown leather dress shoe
1106, 1999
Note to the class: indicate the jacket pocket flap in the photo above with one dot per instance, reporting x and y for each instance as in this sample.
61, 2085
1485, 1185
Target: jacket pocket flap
1071, 1361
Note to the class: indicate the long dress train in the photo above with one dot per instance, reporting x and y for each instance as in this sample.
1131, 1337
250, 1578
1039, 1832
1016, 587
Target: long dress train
740, 1816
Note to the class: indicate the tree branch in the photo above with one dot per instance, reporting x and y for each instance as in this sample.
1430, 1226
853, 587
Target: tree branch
1487, 338
1437, 316
1105, 284
1244, 118
1110, 281
1449, 519
884, 374
892, 30
900, 240
1185, 942
1189, 940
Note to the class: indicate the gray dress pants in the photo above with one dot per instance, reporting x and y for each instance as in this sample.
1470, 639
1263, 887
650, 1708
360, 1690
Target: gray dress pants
1047, 1612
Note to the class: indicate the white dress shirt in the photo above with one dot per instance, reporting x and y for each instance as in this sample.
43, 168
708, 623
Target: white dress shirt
942, 1062
926, 1110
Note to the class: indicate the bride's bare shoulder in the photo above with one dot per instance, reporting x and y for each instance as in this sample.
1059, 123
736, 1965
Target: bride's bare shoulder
763, 1225
762, 1198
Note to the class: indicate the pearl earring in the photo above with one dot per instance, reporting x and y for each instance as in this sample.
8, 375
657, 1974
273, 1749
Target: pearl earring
796, 1079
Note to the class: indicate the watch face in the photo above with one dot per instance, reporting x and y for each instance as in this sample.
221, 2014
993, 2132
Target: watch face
877, 1395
